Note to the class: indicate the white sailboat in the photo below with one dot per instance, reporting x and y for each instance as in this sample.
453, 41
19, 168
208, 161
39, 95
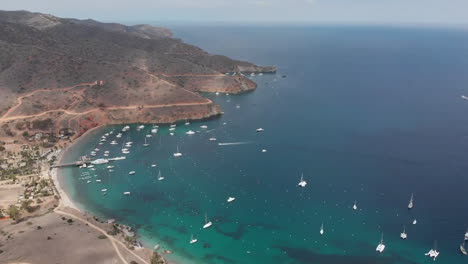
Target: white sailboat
415, 221
207, 223
321, 230
433, 253
193, 240
302, 183
381, 246
403, 235
355, 205
462, 248
231, 199
160, 178
146, 143
411, 202
177, 154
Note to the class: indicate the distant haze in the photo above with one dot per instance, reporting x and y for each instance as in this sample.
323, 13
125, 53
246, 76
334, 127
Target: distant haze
430, 12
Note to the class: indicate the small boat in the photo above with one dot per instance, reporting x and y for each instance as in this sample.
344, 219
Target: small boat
131, 173
178, 153
126, 193
411, 202
153, 165
172, 129
217, 93
172, 126
187, 123
237, 106
415, 221
146, 144
321, 230
119, 135
88, 181
381, 246
110, 167
231, 199
433, 253
98, 180
149, 135
111, 170
125, 151
193, 240
302, 183
190, 132
141, 127
403, 235
204, 127
264, 150
154, 130
212, 139
104, 190
207, 223
466, 235
260, 129
113, 142
464, 97
355, 205
160, 178
462, 248
99, 161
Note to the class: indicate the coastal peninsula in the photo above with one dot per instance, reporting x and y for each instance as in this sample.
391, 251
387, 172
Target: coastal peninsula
60, 78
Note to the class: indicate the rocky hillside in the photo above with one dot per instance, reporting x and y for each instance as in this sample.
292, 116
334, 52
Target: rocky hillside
82, 73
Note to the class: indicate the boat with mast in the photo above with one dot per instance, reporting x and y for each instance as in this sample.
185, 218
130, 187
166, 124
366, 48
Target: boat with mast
302, 183
433, 253
462, 248
193, 240
178, 153
411, 202
321, 229
355, 205
381, 246
403, 235
146, 143
160, 177
207, 223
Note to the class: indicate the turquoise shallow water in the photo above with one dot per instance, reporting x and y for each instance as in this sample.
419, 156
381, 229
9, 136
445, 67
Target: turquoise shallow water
366, 114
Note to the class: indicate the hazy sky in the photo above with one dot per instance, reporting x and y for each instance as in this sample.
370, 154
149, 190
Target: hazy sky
434, 12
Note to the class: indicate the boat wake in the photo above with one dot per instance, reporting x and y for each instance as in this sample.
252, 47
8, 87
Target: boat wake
233, 143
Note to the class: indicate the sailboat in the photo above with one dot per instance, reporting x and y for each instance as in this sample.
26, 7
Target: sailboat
321, 230
207, 223
193, 240
433, 253
146, 144
355, 205
462, 248
302, 183
466, 235
411, 202
160, 178
381, 246
177, 154
404, 235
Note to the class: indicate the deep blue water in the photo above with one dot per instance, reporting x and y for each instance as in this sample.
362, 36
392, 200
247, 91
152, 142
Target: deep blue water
366, 114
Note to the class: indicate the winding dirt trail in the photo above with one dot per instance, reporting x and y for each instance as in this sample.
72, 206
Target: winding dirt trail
3, 119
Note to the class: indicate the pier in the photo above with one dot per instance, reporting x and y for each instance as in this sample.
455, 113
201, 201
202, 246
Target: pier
83, 160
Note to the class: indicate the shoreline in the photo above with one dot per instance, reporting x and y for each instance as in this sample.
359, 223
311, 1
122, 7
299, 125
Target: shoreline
65, 200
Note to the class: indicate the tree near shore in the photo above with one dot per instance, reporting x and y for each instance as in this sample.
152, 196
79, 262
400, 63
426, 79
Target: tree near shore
14, 212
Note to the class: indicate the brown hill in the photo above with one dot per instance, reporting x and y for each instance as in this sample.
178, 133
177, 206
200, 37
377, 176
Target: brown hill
80, 74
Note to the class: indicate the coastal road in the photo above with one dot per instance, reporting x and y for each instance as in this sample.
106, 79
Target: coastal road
112, 239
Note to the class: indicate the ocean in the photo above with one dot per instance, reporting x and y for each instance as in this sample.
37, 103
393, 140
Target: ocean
366, 114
